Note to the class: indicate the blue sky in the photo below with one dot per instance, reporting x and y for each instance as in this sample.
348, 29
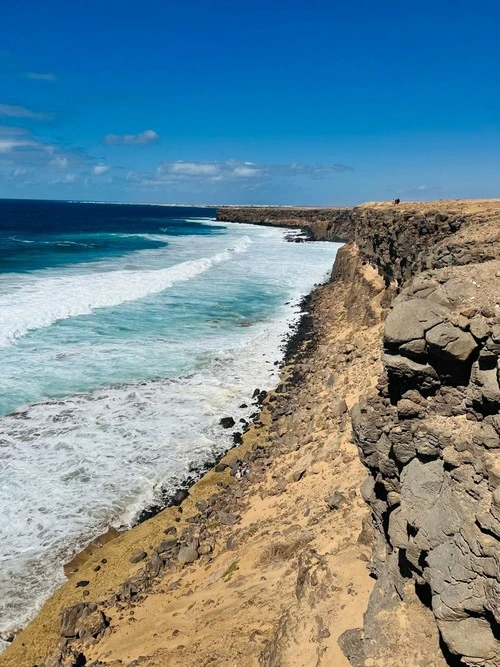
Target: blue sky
317, 102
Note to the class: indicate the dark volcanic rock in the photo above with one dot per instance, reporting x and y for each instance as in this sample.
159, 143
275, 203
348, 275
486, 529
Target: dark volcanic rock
187, 555
339, 407
227, 422
137, 557
450, 342
434, 487
335, 500
227, 518
71, 615
411, 319
179, 497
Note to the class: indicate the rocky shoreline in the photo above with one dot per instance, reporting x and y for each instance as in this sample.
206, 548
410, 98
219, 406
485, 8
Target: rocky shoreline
304, 559
297, 337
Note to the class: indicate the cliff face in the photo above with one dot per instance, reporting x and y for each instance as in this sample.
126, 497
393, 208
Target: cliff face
399, 241
429, 435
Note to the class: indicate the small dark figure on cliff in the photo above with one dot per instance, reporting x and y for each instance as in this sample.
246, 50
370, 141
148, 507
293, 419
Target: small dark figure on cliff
396, 201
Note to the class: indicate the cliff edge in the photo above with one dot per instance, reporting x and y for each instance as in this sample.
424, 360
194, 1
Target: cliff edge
429, 434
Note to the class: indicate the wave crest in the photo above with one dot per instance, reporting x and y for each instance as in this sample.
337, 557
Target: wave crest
48, 300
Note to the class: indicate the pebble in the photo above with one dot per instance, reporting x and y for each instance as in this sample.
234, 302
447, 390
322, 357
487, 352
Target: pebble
138, 556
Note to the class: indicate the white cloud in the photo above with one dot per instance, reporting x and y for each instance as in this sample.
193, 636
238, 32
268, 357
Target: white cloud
232, 170
41, 76
420, 190
213, 171
27, 159
190, 168
246, 172
146, 137
16, 111
59, 162
100, 169
19, 140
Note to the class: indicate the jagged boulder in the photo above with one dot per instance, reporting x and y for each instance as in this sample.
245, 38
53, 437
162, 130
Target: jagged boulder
471, 638
450, 342
409, 320
188, 554
72, 616
92, 625
484, 389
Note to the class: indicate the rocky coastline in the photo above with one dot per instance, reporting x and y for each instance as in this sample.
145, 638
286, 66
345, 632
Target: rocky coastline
365, 530
429, 433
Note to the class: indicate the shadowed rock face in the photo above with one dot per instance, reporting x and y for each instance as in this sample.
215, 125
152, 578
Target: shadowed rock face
430, 434
430, 438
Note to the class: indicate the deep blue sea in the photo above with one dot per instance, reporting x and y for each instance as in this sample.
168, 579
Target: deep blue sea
126, 333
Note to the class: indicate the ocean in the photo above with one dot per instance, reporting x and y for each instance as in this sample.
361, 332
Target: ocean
126, 333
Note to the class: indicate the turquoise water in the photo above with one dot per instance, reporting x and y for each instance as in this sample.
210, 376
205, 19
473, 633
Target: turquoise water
126, 333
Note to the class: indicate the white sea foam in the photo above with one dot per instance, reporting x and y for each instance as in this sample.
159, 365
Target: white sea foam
93, 460
48, 300
72, 466
14, 238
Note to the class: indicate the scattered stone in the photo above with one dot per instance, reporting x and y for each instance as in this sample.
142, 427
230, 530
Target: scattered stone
82, 583
71, 615
138, 556
227, 518
187, 555
179, 497
90, 625
227, 422
335, 500
154, 565
339, 407
298, 475
205, 549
